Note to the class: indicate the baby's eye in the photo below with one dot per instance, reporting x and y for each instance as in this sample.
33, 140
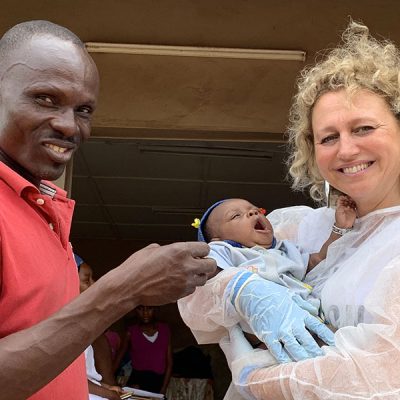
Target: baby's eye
235, 216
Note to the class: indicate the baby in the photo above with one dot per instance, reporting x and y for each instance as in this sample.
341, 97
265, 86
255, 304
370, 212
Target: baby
239, 235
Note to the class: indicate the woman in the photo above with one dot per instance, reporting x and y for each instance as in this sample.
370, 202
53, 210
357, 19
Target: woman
150, 352
344, 130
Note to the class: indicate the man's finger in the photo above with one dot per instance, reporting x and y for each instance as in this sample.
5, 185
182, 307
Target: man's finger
205, 266
200, 279
198, 249
152, 246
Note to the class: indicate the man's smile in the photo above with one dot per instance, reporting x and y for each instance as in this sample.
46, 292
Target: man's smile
57, 149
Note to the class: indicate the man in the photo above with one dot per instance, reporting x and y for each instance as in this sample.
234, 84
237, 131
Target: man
48, 92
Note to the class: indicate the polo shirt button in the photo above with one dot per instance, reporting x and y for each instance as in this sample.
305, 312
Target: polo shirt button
51, 226
40, 201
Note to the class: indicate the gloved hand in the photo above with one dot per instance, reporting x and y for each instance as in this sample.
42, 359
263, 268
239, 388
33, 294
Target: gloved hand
275, 317
243, 359
235, 346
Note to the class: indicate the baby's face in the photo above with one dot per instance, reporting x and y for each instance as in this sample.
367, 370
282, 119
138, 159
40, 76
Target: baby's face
241, 221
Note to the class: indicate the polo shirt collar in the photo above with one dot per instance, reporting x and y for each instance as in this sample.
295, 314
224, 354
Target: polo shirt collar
19, 183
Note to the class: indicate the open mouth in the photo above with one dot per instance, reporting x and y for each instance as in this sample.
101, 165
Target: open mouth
260, 224
356, 168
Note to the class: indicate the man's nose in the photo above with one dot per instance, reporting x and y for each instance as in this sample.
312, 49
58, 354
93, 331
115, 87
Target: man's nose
65, 123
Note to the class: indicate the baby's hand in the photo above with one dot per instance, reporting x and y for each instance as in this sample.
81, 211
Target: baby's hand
346, 212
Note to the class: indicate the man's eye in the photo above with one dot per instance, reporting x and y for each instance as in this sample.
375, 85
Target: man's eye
45, 99
85, 110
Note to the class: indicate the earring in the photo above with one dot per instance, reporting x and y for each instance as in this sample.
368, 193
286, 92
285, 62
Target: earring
331, 195
327, 188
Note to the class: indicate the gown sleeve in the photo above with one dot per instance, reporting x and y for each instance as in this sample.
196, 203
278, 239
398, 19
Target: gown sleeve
206, 312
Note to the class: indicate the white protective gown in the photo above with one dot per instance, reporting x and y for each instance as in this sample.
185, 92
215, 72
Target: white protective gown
359, 288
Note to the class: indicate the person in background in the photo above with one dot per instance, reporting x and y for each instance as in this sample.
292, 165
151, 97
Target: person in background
99, 388
114, 342
102, 350
150, 351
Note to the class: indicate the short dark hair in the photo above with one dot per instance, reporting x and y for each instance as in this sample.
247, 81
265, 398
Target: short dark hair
25, 31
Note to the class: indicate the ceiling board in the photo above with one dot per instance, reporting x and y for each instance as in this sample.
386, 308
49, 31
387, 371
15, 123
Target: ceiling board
151, 194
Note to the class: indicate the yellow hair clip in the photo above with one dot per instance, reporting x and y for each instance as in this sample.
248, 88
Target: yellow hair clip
196, 223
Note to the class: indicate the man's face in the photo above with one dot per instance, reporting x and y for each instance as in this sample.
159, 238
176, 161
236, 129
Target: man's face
242, 222
48, 93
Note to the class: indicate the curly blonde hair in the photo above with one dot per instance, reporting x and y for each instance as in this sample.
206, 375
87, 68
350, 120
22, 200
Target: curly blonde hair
362, 62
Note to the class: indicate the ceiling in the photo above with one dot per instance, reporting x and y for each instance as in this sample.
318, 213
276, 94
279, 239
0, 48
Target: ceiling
174, 134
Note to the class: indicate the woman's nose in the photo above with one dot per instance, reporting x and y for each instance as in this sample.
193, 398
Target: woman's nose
348, 147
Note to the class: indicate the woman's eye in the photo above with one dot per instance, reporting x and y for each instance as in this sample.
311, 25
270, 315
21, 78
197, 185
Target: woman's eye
363, 129
329, 139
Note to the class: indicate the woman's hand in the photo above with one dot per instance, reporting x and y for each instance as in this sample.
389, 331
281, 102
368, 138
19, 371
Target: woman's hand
242, 359
276, 316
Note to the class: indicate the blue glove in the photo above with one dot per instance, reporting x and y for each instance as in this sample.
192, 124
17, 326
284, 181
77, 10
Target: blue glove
275, 316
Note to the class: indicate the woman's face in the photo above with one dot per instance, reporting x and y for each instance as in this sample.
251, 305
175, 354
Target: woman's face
357, 147
145, 313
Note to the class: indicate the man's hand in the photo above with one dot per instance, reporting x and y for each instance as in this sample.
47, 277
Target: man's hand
159, 275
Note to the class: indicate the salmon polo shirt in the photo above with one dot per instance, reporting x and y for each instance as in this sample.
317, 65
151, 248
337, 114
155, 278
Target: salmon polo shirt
38, 274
